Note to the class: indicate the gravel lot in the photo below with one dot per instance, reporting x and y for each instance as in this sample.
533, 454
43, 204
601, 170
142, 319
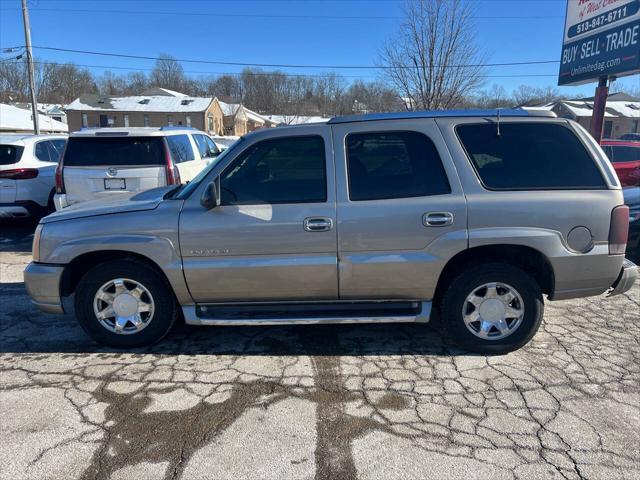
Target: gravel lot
324, 402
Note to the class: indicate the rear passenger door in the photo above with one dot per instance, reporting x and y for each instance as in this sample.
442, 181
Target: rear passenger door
401, 211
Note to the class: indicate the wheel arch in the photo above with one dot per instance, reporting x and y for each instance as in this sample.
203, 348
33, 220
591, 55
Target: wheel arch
80, 265
527, 258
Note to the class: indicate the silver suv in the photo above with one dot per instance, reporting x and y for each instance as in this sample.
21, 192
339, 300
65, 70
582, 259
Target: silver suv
375, 218
101, 162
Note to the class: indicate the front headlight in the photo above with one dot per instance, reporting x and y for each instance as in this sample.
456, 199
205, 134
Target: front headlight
35, 250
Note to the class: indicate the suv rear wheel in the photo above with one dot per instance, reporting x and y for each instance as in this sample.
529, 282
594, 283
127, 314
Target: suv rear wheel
125, 304
492, 308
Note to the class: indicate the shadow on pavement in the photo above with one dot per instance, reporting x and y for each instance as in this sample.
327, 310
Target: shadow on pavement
16, 235
23, 329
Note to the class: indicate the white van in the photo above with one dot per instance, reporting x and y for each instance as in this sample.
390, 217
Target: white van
98, 163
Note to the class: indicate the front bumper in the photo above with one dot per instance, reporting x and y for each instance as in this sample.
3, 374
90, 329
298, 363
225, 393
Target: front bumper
43, 286
626, 279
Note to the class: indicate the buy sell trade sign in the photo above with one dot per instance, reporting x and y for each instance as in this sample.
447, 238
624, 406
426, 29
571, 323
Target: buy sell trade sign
601, 38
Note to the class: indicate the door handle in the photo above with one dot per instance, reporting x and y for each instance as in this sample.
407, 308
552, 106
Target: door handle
437, 219
317, 224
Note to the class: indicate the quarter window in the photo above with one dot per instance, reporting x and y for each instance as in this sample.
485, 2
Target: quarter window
386, 165
282, 170
42, 152
180, 148
529, 156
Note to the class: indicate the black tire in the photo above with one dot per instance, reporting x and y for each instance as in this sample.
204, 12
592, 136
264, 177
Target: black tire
454, 297
165, 306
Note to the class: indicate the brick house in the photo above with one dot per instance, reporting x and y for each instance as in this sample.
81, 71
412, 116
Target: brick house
153, 108
239, 120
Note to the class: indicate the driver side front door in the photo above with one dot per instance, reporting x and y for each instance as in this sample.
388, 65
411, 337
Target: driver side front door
273, 238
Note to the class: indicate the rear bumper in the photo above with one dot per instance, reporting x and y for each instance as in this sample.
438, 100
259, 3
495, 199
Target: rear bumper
626, 279
43, 286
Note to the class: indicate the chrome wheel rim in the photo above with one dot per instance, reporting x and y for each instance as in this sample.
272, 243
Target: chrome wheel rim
493, 311
123, 306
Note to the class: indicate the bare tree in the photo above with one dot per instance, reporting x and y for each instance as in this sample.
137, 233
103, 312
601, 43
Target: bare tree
168, 73
528, 95
433, 60
494, 97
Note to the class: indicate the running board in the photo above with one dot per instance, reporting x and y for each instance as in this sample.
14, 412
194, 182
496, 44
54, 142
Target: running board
236, 314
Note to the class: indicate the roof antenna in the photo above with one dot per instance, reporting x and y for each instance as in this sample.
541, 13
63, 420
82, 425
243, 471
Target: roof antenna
498, 123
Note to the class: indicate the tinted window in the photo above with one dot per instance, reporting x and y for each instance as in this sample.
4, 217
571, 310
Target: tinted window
10, 154
56, 149
117, 151
42, 151
180, 148
385, 165
213, 148
202, 145
619, 154
285, 170
529, 156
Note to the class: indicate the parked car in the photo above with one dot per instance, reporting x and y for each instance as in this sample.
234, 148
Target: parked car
632, 199
99, 163
374, 218
27, 165
625, 156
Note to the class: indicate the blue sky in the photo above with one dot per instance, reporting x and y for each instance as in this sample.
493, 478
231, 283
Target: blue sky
198, 30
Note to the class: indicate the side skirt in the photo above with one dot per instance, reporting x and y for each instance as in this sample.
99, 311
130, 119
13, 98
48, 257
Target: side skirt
236, 314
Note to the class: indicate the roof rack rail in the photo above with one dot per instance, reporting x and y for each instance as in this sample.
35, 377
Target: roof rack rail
176, 127
513, 112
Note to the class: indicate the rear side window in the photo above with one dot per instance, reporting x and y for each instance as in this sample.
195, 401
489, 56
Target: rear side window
385, 165
202, 145
10, 154
180, 148
117, 151
42, 151
529, 156
622, 154
56, 149
282, 170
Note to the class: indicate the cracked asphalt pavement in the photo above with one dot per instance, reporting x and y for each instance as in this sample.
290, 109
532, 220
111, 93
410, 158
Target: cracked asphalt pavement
316, 402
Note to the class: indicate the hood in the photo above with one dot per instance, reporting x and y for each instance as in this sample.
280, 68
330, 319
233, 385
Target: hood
118, 203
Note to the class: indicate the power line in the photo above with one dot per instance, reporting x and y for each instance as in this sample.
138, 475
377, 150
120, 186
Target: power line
284, 65
255, 15
116, 67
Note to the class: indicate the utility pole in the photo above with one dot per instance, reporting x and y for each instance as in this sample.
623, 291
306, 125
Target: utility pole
32, 82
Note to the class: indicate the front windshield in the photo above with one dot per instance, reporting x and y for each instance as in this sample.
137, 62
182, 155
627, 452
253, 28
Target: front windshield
193, 184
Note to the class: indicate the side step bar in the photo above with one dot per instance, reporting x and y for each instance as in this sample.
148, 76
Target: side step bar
235, 314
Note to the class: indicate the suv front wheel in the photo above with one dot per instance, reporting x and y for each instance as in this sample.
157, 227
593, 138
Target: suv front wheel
492, 308
125, 304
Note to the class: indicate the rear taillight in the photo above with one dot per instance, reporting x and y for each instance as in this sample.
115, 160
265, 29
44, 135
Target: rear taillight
173, 175
619, 230
59, 179
19, 173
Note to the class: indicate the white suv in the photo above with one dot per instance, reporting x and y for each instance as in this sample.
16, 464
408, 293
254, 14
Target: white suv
105, 161
27, 165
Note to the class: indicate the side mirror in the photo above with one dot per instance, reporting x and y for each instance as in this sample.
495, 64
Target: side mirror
210, 198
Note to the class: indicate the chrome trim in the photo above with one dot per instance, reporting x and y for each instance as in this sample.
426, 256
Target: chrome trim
191, 318
317, 224
437, 219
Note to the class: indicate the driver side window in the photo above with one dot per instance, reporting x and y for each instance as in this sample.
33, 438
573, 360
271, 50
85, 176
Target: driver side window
277, 171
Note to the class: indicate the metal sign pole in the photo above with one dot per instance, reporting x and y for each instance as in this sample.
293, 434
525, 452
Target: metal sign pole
599, 105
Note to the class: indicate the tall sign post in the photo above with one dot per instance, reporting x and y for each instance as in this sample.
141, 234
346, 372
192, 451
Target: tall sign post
601, 42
